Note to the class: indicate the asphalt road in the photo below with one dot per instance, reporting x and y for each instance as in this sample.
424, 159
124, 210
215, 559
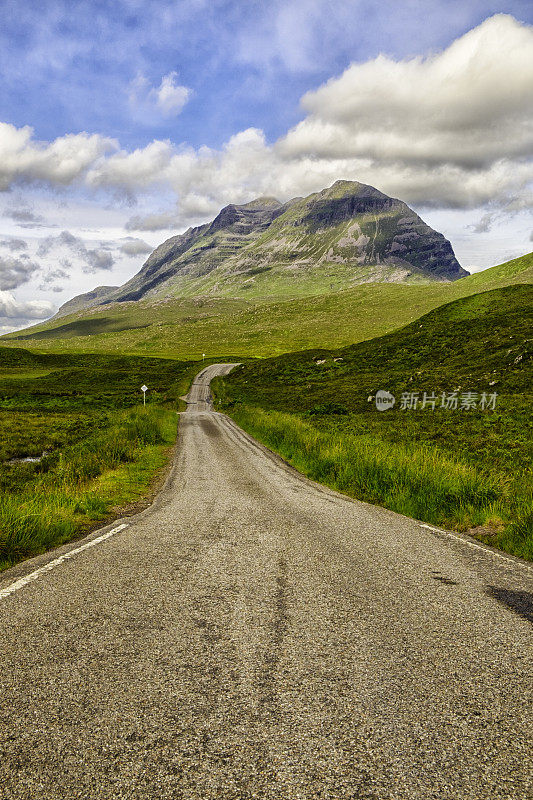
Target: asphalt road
254, 635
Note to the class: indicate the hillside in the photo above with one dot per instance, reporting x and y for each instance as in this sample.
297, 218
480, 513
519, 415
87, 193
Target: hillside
347, 234
87, 300
219, 327
478, 341
467, 467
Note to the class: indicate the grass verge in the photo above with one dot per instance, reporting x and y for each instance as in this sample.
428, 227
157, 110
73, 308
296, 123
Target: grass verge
465, 468
422, 483
84, 482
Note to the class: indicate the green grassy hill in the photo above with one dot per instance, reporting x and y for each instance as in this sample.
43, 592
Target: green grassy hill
219, 327
469, 468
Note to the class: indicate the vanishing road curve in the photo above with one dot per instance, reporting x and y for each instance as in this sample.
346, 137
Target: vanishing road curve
255, 635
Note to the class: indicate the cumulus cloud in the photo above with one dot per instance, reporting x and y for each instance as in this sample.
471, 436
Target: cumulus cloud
32, 309
170, 97
16, 271
131, 171
60, 162
452, 129
14, 244
166, 100
93, 259
131, 246
468, 105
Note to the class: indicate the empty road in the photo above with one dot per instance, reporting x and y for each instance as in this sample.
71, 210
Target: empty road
255, 635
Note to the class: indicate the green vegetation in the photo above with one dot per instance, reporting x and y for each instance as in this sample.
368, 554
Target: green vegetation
224, 328
94, 448
463, 469
469, 469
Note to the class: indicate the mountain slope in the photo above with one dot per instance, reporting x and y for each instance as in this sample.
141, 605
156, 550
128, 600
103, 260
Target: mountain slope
347, 234
224, 327
87, 300
475, 342
200, 250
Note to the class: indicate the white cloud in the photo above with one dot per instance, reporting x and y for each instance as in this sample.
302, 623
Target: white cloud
132, 171
468, 106
134, 247
60, 162
16, 271
32, 309
166, 100
452, 129
170, 97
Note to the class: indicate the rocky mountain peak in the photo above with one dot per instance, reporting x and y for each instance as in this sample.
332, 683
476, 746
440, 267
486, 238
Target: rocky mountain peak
346, 234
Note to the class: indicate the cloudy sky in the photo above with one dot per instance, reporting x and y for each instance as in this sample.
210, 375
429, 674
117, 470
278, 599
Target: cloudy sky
123, 122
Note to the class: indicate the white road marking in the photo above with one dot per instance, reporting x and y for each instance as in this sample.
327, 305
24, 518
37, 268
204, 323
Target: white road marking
516, 562
16, 585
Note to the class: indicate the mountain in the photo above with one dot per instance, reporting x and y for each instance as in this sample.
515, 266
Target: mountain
347, 234
223, 327
87, 300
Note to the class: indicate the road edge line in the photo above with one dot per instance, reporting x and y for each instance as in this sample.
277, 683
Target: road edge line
20, 583
485, 548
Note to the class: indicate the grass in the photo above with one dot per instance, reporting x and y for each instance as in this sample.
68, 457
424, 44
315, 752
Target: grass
225, 327
83, 483
425, 484
84, 373
97, 448
463, 469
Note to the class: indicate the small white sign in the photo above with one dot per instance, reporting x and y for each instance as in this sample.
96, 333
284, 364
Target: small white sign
144, 388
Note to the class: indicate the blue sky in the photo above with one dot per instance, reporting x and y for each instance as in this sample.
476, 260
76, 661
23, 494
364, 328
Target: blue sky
68, 66
155, 114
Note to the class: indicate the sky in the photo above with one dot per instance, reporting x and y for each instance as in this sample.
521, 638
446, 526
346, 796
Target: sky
123, 122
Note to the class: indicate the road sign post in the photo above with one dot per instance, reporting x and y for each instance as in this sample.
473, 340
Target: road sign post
144, 389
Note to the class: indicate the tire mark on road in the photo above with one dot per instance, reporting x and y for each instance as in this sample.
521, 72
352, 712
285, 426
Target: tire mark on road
280, 625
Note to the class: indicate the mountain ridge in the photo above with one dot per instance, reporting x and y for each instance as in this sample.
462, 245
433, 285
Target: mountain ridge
347, 234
